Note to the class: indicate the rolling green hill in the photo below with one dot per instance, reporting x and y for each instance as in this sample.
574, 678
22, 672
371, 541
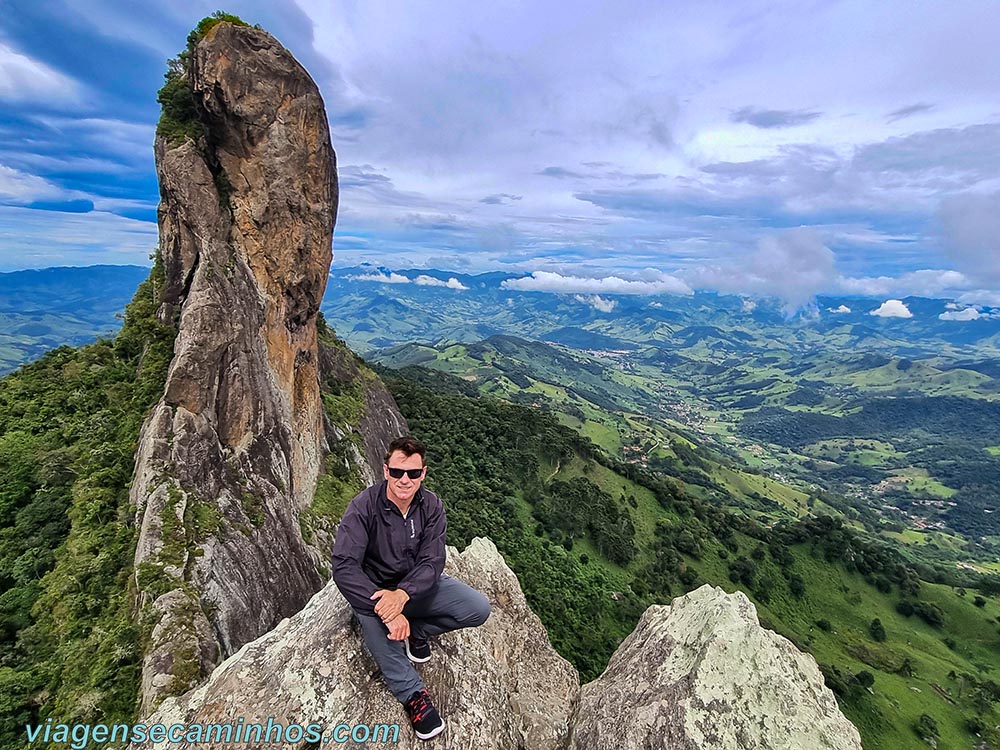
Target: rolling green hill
52, 307
594, 540
780, 431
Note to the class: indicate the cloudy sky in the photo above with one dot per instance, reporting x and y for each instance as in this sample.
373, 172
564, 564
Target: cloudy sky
783, 148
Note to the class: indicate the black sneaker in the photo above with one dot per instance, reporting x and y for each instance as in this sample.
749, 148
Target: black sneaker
418, 650
426, 721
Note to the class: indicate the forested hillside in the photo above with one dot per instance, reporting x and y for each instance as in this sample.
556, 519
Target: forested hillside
594, 541
69, 424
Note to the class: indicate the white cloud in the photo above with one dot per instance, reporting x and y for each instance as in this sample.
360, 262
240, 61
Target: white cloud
469, 116
982, 297
391, 278
597, 302
656, 304
969, 313
749, 305
840, 310
451, 283
397, 278
548, 281
927, 282
448, 113
793, 266
36, 239
20, 187
870, 286
24, 79
892, 308
116, 139
971, 225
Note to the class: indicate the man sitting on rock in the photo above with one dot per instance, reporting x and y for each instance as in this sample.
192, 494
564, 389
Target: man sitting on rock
387, 562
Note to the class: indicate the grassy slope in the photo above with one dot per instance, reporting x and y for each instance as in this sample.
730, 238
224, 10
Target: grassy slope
608, 430
656, 399
845, 599
849, 604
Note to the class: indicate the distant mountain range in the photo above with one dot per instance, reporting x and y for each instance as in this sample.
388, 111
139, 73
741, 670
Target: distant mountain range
41, 309
372, 315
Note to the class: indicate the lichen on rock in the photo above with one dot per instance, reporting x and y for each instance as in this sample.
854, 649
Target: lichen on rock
699, 674
499, 686
702, 673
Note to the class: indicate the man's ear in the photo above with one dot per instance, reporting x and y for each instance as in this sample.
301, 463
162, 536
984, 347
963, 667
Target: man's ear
385, 471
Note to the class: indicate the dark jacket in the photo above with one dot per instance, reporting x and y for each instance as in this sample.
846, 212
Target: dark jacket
377, 548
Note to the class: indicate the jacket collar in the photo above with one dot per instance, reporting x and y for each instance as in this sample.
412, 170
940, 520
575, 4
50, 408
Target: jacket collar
386, 504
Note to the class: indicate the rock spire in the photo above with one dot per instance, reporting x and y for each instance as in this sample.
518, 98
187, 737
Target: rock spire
229, 458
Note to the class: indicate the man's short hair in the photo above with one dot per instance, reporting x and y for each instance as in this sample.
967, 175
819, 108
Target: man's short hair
409, 446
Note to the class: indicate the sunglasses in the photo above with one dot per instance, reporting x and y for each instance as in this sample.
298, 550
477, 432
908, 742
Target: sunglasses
411, 473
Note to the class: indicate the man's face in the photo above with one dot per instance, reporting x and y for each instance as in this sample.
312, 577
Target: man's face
404, 488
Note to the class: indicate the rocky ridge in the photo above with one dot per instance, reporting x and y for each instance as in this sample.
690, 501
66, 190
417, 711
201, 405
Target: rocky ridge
700, 673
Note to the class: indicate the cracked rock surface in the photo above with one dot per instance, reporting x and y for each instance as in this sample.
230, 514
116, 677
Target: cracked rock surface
698, 674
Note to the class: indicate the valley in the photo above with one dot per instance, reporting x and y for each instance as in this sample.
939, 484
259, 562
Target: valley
617, 460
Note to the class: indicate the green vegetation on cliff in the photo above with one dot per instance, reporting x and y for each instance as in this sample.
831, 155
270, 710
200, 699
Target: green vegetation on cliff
69, 425
593, 539
178, 114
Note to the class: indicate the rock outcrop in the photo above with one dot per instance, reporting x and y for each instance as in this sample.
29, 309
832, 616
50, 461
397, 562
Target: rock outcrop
702, 673
229, 458
500, 686
699, 674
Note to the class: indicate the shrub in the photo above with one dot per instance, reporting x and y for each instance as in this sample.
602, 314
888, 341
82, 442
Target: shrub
927, 728
877, 630
178, 112
797, 586
974, 725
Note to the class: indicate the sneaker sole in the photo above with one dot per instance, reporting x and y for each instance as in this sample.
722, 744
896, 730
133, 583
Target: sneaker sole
415, 660
433, 733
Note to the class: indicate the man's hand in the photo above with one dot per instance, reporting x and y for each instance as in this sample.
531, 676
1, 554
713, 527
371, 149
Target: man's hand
390, 603
399, 628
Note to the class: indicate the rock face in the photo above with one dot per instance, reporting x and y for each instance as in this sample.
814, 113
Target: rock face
702, 673
499, 686
698, 674
228, 460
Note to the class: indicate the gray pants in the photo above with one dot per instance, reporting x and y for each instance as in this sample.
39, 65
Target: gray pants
452, 605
